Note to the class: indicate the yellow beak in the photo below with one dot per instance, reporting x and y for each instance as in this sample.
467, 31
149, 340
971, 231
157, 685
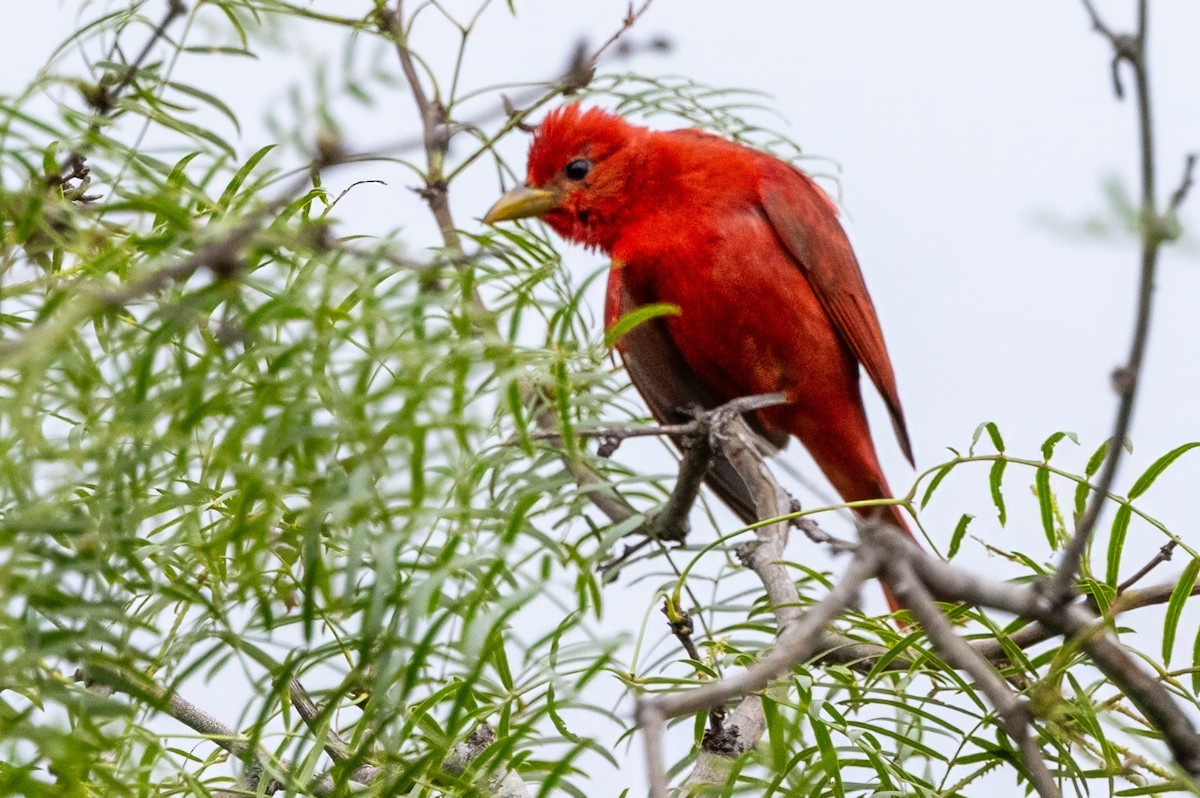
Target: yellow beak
521, 203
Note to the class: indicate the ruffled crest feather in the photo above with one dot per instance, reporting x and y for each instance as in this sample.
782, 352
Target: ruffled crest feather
570, 131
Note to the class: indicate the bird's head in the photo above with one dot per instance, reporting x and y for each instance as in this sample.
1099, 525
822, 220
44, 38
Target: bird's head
579, 178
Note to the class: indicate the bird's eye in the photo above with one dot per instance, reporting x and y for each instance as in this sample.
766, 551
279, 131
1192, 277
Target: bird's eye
578, 169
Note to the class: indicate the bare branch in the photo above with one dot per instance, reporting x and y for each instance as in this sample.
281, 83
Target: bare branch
1038, 632
1061, 585
797, 644
435, 136
1162, 556
504, 783
258, 761
1185, 185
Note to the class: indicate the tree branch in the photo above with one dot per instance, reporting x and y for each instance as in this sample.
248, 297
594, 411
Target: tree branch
1014, 715
1075, 623
796, 644
311, 714
1132, 50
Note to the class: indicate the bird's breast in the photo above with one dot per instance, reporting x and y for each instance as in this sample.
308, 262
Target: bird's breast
749, 321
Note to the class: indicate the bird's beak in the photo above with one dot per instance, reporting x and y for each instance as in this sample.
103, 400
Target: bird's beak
521, 203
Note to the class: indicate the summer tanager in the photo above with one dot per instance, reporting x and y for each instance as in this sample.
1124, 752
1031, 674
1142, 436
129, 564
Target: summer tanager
769, 294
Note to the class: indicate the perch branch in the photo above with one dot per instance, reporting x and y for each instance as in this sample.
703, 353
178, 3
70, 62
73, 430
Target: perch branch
1014, 715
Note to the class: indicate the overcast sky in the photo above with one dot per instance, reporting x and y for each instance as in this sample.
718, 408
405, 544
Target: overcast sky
966, 134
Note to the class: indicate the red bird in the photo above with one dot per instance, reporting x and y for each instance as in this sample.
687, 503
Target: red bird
750, 250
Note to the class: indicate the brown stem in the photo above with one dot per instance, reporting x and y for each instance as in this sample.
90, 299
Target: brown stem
1131, 50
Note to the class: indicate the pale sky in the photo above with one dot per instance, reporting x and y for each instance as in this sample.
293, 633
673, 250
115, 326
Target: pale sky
961, 132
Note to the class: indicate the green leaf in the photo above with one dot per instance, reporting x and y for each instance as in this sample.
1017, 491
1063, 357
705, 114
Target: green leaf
1196, 663
50, 158
994, 480
1082, 489
235, 183
1101, 592
960, 530
776, 736
209, 99
1159, 788
829, 756
1046, 506
1049, 444
556, 719
1116, 544
635, 317
1085, 715
1179, 596
1093, 463
1156, 468
194, 131
893, 651
994, 433
937, 480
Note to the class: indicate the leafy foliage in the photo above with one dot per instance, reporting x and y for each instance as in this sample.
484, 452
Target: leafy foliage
243, 444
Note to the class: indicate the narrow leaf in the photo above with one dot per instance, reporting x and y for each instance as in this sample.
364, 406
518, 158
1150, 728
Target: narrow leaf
1093, 464
635, 317
1116, 544
240, 176
211, 100
1049, 444
1156, 468
1196, 663
1179, 596
994, 434
1046, 506
829, 756
50, 159
933, 483
995, 478
1082, 490
960, 530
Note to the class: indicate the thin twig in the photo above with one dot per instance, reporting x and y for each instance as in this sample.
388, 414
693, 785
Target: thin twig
631, 18
1185, 185
671, 522
797, 644
1061, 585
435, 135
105, 101
679, 621
1162, 556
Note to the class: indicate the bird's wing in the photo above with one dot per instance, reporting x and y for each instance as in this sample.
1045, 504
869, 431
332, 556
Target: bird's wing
806, 222
670, 388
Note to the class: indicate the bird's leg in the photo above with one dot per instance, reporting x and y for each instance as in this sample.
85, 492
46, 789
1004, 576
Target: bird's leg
699, 446
671, 522
611, 569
